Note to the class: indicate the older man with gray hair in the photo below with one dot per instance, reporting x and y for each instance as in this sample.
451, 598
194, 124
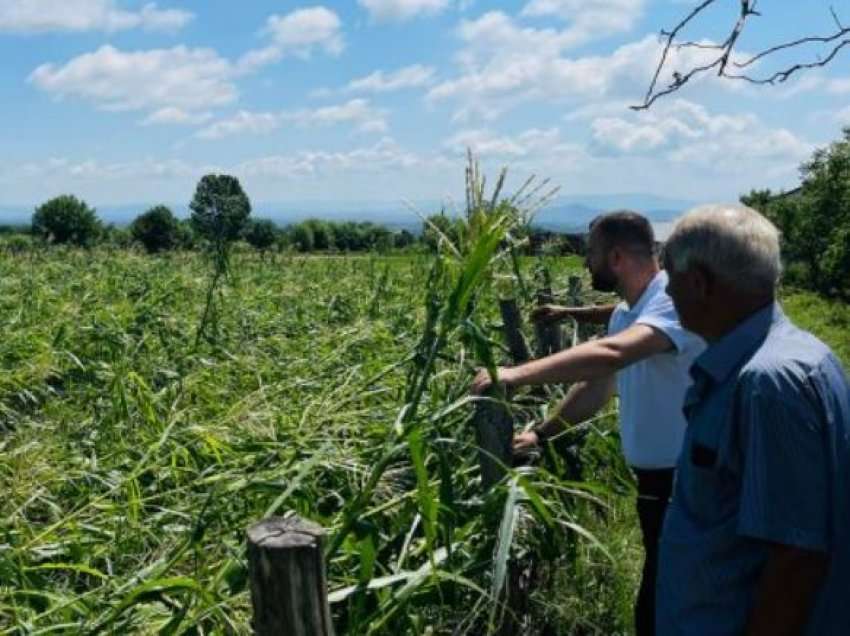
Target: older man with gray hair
757, 536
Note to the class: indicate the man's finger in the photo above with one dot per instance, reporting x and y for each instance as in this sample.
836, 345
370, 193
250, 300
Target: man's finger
480, 382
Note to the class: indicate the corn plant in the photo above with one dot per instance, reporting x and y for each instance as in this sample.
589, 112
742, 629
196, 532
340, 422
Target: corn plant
131, 461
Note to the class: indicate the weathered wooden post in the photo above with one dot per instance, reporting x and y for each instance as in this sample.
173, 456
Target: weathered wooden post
494, 434
574, 299
549, 337
288, 584
512, 330
574, 291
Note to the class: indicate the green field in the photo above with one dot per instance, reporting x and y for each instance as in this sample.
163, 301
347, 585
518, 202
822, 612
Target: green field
133, 455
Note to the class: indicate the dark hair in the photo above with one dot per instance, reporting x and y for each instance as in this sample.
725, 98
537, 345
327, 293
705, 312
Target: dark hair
625, 229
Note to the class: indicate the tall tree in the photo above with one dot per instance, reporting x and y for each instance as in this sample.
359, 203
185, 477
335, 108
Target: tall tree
157, 229
66, 219
815, 219
261, 234
220, 210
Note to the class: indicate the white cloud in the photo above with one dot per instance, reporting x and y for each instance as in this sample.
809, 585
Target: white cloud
180, 78
686, 133
814, 81
176, 116
588, 19
385, 155
358, 112
298, 33
414, 76
839, 86
504, 65
304, 29
380, 171
593, 110
401, 10
624, 136
241, 123
57, 168
40, 16
491, 145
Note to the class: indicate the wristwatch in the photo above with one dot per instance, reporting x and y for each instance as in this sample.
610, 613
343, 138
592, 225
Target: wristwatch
542, 435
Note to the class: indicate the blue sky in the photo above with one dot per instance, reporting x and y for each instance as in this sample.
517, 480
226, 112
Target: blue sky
120, 101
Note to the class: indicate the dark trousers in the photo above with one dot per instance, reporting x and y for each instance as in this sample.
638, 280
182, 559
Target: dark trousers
654, 490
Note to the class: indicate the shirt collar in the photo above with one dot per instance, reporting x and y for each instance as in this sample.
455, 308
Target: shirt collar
658, 283
724, 355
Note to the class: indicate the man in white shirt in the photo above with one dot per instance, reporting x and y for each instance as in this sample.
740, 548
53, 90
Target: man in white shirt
645, 357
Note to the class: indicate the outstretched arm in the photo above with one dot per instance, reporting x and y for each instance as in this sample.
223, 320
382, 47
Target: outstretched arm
596, 315
588, 361
583, 401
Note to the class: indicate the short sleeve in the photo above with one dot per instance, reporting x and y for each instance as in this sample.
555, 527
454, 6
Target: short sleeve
615, 322
660, 314
785, 485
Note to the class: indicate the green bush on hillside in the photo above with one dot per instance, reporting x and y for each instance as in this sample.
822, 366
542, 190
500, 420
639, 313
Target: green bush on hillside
261, 234
815, 220
157, 229
66, 220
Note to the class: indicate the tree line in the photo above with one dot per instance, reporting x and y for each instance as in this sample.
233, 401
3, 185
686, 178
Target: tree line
220, 213
815, 221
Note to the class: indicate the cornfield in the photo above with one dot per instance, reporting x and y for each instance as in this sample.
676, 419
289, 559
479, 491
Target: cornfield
136, 448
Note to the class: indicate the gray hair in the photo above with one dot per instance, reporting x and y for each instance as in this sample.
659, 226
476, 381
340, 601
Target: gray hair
734, 242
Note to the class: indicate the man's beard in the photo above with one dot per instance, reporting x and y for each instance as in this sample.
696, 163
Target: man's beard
603, 281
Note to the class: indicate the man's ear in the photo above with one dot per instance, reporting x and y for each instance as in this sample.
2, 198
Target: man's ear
702, 282
615, 258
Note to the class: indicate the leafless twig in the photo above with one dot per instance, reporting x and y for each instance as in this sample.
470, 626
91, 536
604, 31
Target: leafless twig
724, 61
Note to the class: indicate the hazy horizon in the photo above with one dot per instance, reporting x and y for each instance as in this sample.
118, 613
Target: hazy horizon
563, 212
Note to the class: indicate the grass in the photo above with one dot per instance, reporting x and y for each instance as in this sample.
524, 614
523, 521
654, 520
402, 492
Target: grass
132, 460
828, 319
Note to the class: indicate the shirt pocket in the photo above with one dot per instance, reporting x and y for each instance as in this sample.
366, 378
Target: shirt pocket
706, 484
703, 456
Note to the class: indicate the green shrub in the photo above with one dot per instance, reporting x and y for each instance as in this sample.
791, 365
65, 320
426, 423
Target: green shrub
261, 234
157, 229
815, 220
66, 220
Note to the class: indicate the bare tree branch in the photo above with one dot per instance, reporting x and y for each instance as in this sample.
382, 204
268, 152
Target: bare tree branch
722, 63
671, 37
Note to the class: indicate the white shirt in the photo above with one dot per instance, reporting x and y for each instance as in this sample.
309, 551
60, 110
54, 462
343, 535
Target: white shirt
652, 391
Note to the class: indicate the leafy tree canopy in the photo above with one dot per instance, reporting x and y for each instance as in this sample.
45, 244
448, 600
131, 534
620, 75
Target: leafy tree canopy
220, 209
157, 229
815, 220
261, 234
66, 219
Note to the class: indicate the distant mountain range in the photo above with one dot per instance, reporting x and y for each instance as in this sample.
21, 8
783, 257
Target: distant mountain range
564, 214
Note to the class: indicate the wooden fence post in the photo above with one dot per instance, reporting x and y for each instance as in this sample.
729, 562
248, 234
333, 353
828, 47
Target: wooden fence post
574, 299
288, 583
494, 434
512, 330
549, 337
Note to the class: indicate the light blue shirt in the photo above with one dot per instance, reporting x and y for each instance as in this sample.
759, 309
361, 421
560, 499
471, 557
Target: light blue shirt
652, 390
766, 459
